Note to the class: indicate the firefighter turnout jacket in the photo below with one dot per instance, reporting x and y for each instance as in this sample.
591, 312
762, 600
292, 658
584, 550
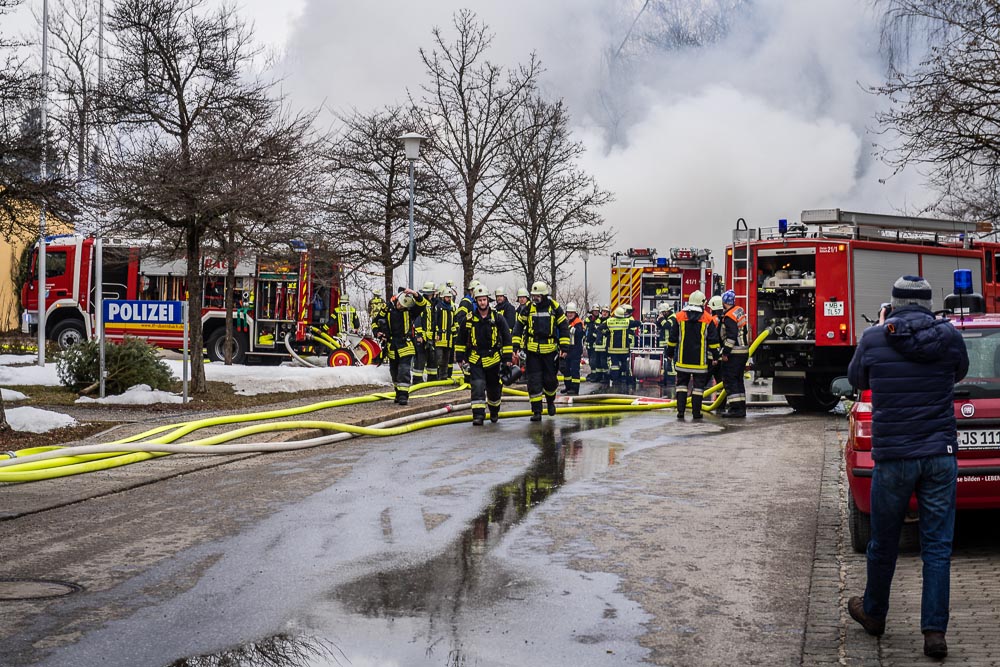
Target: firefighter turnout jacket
541, 327
735, 335
620, 334
444, 322
400, 326
484, 340
347, 318
693, 340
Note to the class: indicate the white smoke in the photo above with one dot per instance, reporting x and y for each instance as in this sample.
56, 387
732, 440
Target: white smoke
763, 122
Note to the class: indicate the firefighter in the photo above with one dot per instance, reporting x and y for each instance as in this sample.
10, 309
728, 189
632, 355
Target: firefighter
505, 307
378, 311
424, 362
693, 343
620, 340
462, 312
590, 338
735, 354
407, 306
601, 362
542, 330
444, 336
346, 316
716, 307
482, 348
522, 298
376, 304
571, 363
666, 315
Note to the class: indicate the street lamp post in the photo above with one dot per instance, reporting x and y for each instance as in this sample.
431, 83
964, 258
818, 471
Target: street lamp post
411, 144
586, 295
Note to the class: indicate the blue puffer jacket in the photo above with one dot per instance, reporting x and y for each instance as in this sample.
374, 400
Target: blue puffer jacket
911, 364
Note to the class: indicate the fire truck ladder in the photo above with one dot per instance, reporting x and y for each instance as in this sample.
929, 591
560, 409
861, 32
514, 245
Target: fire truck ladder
740, 260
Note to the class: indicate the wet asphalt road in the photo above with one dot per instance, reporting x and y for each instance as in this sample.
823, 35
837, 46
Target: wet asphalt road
584, 541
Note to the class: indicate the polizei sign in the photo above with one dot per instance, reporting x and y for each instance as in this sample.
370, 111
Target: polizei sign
142, 312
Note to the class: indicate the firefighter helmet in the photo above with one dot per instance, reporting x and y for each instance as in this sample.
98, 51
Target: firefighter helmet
729, 297
606, 307
522, 291
571, 307
665, 307
540, 288
500, 291
405, 300
697, 298
377, 292
473, 284
620, 311
480, 290
715, 303
595, 306
428, 288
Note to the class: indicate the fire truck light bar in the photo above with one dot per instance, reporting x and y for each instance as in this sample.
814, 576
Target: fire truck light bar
641, 252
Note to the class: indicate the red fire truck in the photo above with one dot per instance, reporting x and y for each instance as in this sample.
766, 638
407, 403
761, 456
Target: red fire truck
282, 295
815, 286
645, 280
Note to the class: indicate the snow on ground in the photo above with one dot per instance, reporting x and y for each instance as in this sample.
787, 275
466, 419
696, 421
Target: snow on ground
251, 380
10, 359
35, 420
246, 380
11, 395
141, 394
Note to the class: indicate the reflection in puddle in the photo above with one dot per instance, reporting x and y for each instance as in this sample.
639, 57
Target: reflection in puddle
276, 651
414, 615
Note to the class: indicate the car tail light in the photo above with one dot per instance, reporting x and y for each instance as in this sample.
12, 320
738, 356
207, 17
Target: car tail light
863, 422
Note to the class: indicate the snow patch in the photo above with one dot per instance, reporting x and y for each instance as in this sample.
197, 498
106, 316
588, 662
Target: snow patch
36, 420
11, 395
29, 375
140, 394
11, 359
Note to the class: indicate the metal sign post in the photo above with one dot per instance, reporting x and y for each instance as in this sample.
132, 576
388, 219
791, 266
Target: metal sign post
184, 362
99, 308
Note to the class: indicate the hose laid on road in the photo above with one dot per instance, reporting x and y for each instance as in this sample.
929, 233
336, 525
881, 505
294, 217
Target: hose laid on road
49, 462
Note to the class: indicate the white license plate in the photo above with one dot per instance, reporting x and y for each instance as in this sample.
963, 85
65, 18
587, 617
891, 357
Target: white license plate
986, 438
833, 309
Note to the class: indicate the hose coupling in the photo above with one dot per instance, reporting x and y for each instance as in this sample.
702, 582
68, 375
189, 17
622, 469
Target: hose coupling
11, 454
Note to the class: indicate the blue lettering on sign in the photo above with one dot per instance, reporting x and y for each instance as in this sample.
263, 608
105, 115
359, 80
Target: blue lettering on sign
142, 312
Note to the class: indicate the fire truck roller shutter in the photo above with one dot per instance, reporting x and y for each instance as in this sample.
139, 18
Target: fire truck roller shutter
938, 270
874, 273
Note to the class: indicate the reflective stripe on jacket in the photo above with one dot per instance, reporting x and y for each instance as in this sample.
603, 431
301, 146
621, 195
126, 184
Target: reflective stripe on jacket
482, 340
541, 327
693, 339
621, 334
734, 331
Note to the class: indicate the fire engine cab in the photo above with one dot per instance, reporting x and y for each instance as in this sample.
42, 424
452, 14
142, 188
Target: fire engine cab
646, 280
816, 285
276, 297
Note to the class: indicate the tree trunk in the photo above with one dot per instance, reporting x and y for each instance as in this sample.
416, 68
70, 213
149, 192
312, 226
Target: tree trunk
195, 338
230, 256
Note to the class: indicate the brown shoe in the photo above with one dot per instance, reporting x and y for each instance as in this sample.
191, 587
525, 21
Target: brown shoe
874, 627
934, 644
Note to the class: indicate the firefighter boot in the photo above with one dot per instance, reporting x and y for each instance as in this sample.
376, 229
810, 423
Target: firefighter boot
494, 414
478, 415
536, 411
551, 400
398, 394
696, 406
736, 410
403, 397
681, 404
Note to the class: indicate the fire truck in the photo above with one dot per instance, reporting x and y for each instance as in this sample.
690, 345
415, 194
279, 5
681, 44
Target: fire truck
817, 284
281, 300
646, 280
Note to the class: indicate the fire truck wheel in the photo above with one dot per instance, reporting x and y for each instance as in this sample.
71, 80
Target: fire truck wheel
68, 333
216, 346
817, 397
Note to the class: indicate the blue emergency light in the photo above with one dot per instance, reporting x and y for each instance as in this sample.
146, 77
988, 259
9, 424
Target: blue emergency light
782, 226
963, 281
661, 261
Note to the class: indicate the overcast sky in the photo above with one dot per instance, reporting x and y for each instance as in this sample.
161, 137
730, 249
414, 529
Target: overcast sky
770, 119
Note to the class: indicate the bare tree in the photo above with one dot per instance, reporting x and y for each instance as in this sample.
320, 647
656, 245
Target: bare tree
943, 114
469, 107
369, 204
175, 77
553, 211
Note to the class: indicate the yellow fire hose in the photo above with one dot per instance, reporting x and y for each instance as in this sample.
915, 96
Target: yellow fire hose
39, 463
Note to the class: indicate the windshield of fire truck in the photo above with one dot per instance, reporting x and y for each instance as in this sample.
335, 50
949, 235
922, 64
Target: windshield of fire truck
983, 378
55, 264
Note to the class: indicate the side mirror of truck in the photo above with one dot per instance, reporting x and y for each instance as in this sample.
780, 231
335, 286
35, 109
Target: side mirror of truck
841, 387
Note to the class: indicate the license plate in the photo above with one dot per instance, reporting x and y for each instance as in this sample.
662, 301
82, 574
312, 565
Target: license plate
833, 309
987, 438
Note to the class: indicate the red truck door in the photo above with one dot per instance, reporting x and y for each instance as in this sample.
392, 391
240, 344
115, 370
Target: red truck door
833, 295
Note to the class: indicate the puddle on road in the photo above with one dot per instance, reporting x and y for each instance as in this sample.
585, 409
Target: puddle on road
436, 590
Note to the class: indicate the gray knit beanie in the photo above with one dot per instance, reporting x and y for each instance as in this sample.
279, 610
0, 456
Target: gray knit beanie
911, 291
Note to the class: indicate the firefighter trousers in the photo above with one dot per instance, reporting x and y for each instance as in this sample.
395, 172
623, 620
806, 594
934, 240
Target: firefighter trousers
444, 362
486, 389
599, 365
697, 382
425, 365
732, 379
571, 371
621, 368
399, 370
542, 371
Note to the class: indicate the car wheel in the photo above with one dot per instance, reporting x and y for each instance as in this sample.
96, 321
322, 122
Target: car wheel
68, 333
216, 346
860, 526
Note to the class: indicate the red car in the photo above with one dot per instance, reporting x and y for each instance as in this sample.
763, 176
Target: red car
977, 410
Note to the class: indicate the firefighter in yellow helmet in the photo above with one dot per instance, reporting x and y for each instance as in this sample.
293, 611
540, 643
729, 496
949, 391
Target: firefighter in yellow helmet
483, 348
693, 344
543, 332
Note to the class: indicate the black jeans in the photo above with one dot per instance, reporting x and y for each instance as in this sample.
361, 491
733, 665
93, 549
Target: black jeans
543, 377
